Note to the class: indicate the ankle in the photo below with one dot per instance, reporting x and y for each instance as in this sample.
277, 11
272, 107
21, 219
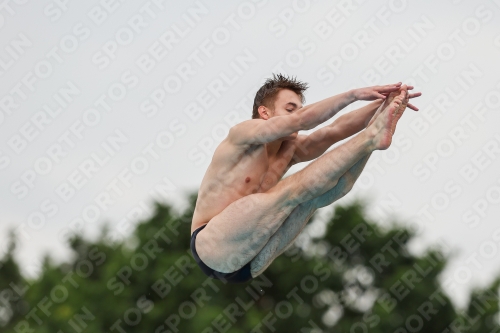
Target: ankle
370, 138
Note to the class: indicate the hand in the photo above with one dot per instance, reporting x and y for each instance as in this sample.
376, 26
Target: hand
389, 97
411, 106
408, 96
375, 92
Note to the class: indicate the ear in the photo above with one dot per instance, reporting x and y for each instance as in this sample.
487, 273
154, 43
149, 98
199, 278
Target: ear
264, 112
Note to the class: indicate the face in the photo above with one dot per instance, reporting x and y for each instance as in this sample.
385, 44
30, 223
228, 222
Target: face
287, 102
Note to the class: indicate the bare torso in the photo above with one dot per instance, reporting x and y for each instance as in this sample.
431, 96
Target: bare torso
237, 171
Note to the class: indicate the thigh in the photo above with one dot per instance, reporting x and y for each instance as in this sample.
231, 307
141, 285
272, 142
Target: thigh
234, 237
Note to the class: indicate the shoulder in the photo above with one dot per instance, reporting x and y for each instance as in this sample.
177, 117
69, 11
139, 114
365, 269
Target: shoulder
240, 133
232, 147
246, 125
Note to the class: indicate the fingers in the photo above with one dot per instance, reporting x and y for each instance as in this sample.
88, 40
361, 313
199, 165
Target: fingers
392, 85
397, 89
387, 88
403, 94
413, 107
399, 85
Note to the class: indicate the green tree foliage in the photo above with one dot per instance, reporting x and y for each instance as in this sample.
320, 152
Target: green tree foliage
355, 278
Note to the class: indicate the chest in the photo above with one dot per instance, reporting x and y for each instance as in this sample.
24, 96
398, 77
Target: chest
264, 170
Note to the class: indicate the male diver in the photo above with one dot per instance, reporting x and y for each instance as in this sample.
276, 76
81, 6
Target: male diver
245, 214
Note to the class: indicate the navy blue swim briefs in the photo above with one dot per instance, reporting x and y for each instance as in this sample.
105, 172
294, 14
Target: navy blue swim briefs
240, 276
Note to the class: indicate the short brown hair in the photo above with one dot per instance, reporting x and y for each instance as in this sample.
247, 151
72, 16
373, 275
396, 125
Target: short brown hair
266, 95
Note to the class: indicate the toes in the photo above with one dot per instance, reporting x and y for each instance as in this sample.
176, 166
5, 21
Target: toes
397, 101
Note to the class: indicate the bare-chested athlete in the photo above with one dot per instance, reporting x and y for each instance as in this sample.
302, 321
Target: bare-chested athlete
245, 215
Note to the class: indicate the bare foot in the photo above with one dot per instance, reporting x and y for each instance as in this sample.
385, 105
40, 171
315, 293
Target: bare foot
385, 122
384, 104
401, 109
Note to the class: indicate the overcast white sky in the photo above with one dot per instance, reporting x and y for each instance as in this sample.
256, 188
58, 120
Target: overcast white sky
102, 102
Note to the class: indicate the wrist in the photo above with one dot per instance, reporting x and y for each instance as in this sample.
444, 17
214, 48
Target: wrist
351, 96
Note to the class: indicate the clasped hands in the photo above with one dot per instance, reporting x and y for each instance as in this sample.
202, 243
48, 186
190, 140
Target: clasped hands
381, 92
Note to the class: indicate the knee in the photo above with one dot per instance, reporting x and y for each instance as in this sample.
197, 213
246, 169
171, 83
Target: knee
347, 186
346, 190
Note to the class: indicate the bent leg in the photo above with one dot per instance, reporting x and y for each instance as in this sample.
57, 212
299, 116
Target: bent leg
236, 235
322, 174
295, 223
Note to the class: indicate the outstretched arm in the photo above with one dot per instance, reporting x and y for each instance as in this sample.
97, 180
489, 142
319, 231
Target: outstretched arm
319, 112
259, 131
314, 145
